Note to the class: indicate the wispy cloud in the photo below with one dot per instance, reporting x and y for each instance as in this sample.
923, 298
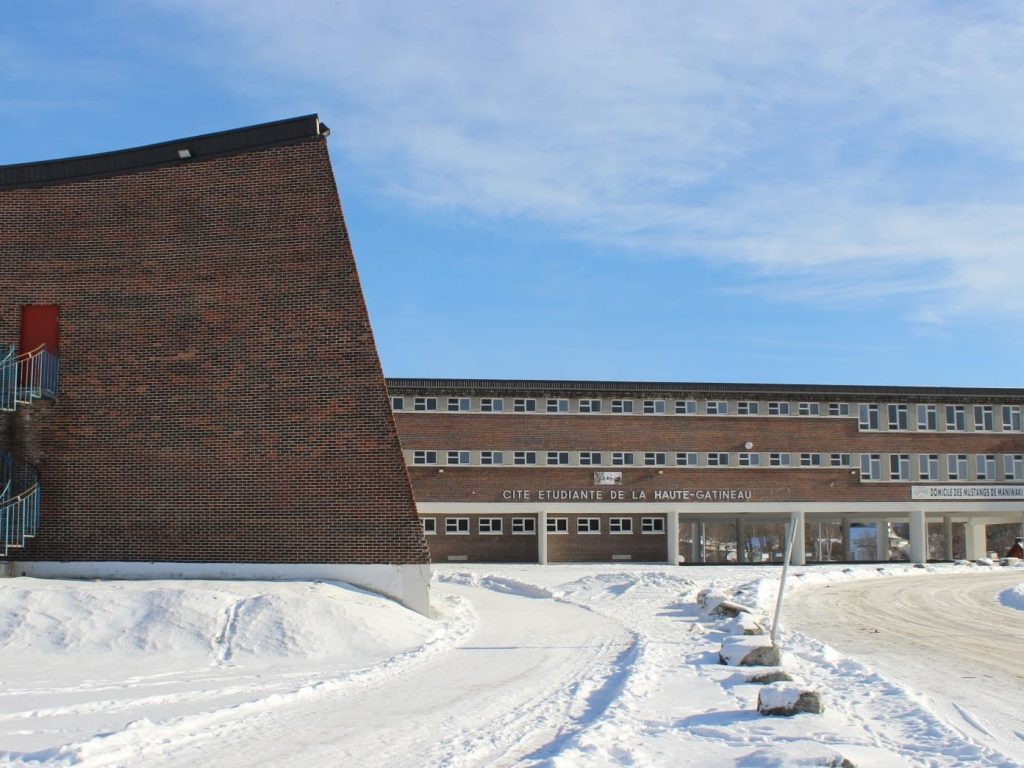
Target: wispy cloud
840, 151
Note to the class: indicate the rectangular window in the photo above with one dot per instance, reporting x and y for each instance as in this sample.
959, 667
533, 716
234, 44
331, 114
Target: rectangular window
620, 525
778, 459
492, 457
870, 466
590, 406
590, 458
956, 418
809, 409
688, 459
748, 459
524, 526
490, 525
778, 409
558, 525
558, 457
928, 466
523, 458
984, 420
686, 407
458, 457
840, 460
524, 405
927, 418
899, 417
1011, 418
622, 406
424, 457
810, 459
986, 464
588, 525
1013, 466
717, 407
867, 416
652, 525
398, 403
429, 525
424, 404
557, 406
458, 526
956, 464
899, 466
622, 458
838, 409
718, 459
458, 403
492, 404
747, 408
655, 459
654, 406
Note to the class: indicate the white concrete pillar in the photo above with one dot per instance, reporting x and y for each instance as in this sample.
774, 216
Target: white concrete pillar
542, 537
799, 556
918, 536
974, 539
947, 537
695, 543
741, 552
673, 537
847, 540
882, 540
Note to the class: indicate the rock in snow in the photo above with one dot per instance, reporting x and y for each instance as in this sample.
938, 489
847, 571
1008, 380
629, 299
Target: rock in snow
770, 676
749, 651
786, 699
715, 603
744, 624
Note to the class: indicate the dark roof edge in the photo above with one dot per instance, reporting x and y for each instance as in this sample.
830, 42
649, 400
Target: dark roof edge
541, 385
137, 158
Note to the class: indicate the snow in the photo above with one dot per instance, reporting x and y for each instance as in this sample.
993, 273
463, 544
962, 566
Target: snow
1013, 597
558, 665
735, 649
781, 695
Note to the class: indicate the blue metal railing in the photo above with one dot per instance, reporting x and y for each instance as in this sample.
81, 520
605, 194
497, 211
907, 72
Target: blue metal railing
19, 503
30, 376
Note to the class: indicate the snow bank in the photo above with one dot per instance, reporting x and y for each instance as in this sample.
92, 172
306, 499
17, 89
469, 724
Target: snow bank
1013, 597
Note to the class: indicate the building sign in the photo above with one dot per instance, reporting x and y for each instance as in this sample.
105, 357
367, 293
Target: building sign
612, 494
607, 478
958, 492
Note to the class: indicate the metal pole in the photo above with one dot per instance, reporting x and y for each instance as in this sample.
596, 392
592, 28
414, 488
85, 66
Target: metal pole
790, 536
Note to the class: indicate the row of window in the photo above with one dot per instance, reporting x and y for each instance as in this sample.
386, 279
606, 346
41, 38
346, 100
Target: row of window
898, 417
934, 466
527, 526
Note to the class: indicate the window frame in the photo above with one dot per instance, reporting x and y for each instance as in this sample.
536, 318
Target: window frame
448, 528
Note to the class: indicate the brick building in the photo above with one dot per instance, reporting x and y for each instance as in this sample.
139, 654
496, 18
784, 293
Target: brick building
597, 471
221, 409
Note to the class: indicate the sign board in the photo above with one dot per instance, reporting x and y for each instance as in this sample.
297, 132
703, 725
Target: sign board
607, 478
959, 492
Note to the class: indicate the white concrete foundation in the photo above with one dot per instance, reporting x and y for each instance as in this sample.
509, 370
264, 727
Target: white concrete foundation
407, 584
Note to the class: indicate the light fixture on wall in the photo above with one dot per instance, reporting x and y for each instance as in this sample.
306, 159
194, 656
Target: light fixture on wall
748, 445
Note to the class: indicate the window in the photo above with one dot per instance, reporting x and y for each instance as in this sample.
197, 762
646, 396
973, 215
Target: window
429, 525
838, 409
747, 408
620, 525
492, 457
986, 466
652, 525
524, 405
809, 409
984, 421
748, 459
928, 466
956, 419
622, 458
686, 407
424, 457
458, 403
590, 406
688, 459
456, 525
899, 466
870, 466
523, 458
778, 409
557, 406
622, 406
810, 459
957, 466
590, 458
558, 457
1013, 466
718, 459
458, 457
524, 526
717, 407
492, 404
398, 403
490, 525
424, 404
654, 406
899, 417
867, 416
778, 459
1011, 418
655, 459
558, 525
840, 460
588, 525
927, 417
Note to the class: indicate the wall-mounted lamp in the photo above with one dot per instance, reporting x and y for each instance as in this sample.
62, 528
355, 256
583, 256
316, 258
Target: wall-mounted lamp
748, 445
661, 471
440, 471
184, 154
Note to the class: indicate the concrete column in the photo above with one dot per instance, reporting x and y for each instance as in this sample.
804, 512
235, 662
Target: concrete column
882, 540
974, 538
847, 541
673, 537
947, 537
542, 537
741, 554
799, 556
918, 536
695, 543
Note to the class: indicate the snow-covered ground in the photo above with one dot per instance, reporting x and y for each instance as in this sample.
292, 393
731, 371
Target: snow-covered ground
559, 665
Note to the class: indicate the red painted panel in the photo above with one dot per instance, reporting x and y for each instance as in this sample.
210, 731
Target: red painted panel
40, 324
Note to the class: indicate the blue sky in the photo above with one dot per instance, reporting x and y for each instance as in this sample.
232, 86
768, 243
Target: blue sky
674, 191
